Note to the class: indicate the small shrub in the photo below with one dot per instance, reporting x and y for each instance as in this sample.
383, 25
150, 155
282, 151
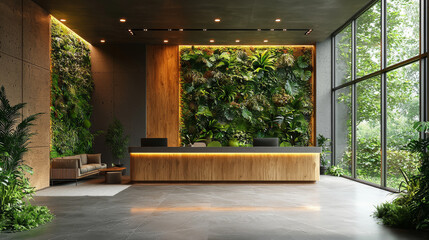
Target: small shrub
393, 215
335, 171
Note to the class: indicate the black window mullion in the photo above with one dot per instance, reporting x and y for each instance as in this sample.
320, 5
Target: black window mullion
383, 116
333, 100
353, 95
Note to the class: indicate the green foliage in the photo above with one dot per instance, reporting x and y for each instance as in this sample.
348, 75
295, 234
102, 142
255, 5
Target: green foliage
238, 93
116, 140
394, 215
71, 90
335, 171
325, 144
414, 191
214, 144
16, 213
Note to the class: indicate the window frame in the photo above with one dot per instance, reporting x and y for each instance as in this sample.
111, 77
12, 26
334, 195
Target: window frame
422, 58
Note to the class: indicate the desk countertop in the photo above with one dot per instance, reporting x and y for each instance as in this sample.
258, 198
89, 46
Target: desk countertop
224, 149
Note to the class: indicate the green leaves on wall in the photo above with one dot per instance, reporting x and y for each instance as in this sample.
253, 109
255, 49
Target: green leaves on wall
237, 93
71, 90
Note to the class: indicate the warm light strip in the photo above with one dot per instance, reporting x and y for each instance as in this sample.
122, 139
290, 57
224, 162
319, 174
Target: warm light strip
77, 35
224, 209
216, 154
244, 46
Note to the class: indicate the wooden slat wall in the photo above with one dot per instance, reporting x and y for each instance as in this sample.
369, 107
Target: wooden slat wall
162, 92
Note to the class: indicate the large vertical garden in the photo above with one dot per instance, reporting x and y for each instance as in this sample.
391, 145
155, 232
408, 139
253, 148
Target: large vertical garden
71, 90
234, 94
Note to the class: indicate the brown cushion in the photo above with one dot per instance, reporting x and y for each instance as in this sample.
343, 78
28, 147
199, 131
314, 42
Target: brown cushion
84, 159
94, 158
75, 157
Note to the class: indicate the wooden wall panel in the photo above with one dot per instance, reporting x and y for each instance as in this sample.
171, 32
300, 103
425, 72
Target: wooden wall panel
162, 92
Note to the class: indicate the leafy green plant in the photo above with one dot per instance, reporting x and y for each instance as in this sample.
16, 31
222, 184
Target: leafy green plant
117, 140
71, 90
16, 213
238, 93
335, 171
414, 190
325, 144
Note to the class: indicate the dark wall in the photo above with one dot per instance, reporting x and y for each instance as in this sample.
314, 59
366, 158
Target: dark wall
120, 91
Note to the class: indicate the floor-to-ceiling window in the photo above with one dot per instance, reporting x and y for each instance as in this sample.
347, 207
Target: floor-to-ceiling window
379, 88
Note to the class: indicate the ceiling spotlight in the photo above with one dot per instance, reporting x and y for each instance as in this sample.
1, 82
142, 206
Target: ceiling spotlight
284, 29
278, 20
63, 20
181, 30
217, 20
205, 29
259, 29
122, 20
145, 29
165, 41
272, 30
266, 40
102, 41
309, 31
238, 40
212, 40
131, 32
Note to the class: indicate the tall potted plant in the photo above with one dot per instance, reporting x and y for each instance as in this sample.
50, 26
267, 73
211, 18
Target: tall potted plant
117, 141
325, 144
16, 213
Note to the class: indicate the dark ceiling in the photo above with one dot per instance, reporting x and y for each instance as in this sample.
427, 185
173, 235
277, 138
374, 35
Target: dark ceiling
99, 19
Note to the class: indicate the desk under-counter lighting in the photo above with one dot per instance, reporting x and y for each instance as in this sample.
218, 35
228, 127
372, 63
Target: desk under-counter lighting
225, 164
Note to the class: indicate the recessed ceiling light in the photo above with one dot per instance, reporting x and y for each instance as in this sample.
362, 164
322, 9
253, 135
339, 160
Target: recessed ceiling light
278, 20
238, 40
266, 40
217, 20
166, 41
212, 40
181, 29
102, 41
122, 20
63, 20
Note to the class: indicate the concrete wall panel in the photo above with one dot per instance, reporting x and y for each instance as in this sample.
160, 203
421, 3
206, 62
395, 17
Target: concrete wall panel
25, 73
11, 77
36, 35
11, 27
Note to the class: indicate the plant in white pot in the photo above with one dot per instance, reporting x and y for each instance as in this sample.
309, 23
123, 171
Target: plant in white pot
117, 141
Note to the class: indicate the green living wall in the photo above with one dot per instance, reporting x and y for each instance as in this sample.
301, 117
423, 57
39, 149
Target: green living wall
71, 90
233, 94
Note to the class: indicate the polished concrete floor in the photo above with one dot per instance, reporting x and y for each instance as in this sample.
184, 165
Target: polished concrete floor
334, 208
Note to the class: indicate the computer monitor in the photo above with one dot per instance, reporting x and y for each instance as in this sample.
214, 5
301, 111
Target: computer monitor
265, 142
154, 142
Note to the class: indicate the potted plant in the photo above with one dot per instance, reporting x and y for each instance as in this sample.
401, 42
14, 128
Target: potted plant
325, 144
16, 211
117, 141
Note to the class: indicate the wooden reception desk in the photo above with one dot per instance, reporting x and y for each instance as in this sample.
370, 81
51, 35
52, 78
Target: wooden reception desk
225, 163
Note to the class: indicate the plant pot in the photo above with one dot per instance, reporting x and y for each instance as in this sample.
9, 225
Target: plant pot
323, 170
119, 164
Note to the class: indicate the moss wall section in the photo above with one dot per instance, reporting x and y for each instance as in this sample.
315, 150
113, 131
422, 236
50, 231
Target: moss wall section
234, 94
71, 90
24, 72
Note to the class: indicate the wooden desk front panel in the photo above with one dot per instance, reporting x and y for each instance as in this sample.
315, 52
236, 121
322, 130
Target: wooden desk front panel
225, 166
